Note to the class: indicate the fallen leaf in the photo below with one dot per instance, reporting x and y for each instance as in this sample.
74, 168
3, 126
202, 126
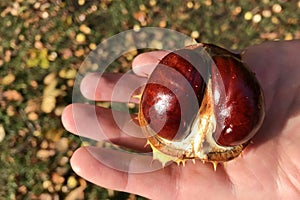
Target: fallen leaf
139, 16
45, 196
57, 179
2, 133
8, 79
45, 154
80, 37
79, 52
13, 95
49, 97
85, 29
72, 182
49, 78
54, 134
76, 194
62, 144
68, 73
31, 106
33, 116
66, 54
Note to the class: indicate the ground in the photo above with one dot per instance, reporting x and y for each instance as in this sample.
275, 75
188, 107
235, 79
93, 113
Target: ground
42, 45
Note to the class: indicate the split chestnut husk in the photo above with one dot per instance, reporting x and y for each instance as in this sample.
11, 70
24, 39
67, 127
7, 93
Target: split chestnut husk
200, 102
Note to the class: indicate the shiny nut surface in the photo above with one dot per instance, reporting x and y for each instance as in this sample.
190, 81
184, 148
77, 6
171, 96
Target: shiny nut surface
200, 102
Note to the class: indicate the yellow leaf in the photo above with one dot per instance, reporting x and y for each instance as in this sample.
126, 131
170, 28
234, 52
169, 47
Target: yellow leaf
2, 133
43, 53
72, 182
45, 154
32, 62
49, 97
67, 74
48, 104
44, 63
54, 134
80, 38
49, 78
81, 2
85, 29
8, 79
69, 20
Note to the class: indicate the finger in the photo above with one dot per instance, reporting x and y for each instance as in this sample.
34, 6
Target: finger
138, 174
126, 174
144, 64
102, 124
111, 86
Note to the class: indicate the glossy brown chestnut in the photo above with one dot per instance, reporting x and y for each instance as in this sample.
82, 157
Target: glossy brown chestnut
200, 102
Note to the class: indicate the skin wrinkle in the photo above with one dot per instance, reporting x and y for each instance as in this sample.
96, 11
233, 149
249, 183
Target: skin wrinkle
128, 181
177, 187
231, 184
294, 181
181, 177
265, 164
249, 171
125, 177
284, 160
282, 181
134, 177
225, 179
91, 167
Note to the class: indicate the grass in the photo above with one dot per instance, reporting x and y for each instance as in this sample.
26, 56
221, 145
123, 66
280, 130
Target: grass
45, 41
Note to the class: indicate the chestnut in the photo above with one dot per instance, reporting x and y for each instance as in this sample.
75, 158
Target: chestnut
200, 102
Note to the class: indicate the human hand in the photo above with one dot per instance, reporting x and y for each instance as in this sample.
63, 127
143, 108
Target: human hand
270, 166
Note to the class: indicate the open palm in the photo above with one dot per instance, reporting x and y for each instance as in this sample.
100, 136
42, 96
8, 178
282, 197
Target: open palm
268, 169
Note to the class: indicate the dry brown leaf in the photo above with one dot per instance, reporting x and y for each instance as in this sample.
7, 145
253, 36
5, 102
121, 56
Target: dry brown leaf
13, 95
31, 106
49, 78
85, 29
139, 16
62, 144
45, 154
45, 196
67, 73
66, 54
54, 134
33, 116
79, 52
57, 179
76, 194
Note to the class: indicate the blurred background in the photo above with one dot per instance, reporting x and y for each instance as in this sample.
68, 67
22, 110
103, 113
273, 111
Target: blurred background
44, 42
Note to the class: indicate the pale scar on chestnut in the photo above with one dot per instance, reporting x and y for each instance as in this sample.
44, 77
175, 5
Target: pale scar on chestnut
200, 102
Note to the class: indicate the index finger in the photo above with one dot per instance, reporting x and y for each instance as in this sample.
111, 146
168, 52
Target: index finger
144, 63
